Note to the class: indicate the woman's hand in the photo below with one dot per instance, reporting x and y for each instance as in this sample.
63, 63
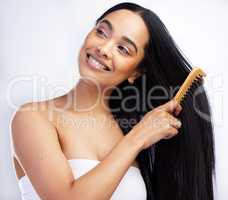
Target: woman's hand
158, 124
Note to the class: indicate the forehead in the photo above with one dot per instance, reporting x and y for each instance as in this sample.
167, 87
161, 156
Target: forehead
129, 24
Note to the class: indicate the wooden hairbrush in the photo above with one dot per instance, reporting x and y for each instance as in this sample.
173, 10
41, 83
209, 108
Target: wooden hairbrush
194, 78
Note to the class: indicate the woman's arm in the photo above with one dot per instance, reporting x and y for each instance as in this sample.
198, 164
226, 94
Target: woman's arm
37, 148
35, 142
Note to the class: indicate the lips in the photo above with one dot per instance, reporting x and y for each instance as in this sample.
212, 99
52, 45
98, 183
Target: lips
97, 63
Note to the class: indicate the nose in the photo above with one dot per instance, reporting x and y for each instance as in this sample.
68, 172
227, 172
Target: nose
104, 50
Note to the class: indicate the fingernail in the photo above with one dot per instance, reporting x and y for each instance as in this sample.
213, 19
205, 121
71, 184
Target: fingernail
179, 123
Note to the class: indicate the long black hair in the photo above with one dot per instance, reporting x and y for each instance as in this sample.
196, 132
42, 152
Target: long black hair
180, 168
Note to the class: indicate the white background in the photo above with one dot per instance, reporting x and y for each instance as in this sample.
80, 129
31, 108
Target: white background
39, 42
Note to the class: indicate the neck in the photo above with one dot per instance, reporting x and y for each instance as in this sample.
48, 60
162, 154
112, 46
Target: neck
90, 97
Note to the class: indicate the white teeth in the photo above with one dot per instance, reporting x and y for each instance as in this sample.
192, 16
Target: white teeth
96, 64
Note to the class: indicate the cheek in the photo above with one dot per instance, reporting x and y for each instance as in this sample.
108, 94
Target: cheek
90, 41
86, 44
80, 56
87, 41
125, 65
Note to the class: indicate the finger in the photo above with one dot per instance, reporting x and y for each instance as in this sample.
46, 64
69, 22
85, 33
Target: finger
170, 106
178, 110
176, 123
172, 132
167, 137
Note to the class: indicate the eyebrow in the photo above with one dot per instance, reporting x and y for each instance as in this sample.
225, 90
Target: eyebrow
124, 38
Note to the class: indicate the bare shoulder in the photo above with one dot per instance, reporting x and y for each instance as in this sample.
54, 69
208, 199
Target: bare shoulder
30, 119
42, 111
37, 118
37, 149
30, 113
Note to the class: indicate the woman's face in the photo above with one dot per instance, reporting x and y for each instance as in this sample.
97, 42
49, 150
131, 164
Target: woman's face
113, 48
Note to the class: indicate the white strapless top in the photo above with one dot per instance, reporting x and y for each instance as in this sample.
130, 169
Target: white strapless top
131, 186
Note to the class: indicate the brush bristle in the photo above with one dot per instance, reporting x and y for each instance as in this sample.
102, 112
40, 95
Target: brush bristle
194, 79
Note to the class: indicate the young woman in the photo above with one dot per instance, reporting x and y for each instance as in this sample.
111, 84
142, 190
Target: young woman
141, 144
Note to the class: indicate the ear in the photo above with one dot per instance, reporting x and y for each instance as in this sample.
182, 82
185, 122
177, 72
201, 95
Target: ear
134, 75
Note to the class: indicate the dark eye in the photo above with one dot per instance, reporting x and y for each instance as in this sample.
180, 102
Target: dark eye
100, 32
123, 50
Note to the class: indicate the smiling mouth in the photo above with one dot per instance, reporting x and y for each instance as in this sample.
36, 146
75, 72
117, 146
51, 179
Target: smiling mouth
94, 63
